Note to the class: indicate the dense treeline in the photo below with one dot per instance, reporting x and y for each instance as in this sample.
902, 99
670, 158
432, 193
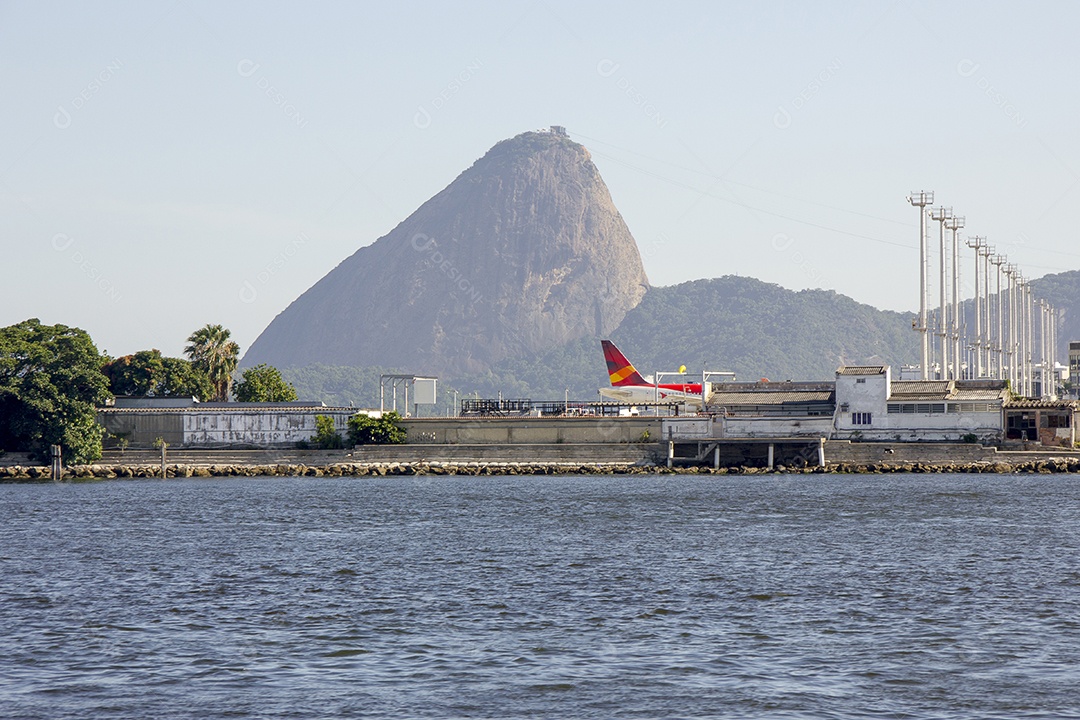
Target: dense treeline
52, 379
50, 383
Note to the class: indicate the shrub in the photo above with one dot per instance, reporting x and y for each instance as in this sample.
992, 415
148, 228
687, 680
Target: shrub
365, 430
326, 437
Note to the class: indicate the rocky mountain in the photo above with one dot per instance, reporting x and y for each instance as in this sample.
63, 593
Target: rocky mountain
522, 253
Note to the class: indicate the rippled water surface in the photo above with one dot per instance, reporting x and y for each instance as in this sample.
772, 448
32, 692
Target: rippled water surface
650, 597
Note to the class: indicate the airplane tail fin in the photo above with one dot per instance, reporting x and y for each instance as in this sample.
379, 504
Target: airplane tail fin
619, 368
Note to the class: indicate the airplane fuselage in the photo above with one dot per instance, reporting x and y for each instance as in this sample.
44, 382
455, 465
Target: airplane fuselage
683, 394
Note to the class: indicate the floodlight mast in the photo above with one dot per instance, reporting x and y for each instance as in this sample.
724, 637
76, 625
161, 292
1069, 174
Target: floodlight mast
1021, 333
1053, 343
921, 200
1012, 273
977, 243
999, 345
954, 224
1029, 336
941, 214
1044, 350
987, 251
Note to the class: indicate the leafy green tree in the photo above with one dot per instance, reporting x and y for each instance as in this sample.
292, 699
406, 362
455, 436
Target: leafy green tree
263, 383
326, 437
147, 372
50, 387
211, 351
365, 430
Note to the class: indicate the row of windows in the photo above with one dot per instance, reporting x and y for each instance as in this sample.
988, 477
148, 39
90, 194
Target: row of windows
937, 408
909, 408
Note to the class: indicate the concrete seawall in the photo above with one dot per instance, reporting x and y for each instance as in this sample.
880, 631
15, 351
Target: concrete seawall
536, 459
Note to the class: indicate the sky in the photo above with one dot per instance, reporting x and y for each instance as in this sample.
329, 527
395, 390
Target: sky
164, 165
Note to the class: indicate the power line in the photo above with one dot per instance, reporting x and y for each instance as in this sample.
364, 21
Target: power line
714, 176
751, 207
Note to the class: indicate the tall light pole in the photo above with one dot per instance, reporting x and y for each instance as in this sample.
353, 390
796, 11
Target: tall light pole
941, 214
1044, 350
1029, 344
954, 224
1021, 332
999, 347
977, 243
988, 344
1010, 354
921, 200
1053, 344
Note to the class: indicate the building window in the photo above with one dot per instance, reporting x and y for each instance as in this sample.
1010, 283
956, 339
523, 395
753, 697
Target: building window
860, 418
860, 381
917, 408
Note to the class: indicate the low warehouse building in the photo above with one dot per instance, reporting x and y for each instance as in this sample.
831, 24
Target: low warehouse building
185, 422
871, 406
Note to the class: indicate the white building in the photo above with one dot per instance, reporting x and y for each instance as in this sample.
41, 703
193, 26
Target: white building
871, 406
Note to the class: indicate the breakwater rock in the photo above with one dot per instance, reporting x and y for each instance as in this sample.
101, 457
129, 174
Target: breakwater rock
107, 472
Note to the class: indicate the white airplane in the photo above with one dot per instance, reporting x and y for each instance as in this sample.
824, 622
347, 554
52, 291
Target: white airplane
627, 385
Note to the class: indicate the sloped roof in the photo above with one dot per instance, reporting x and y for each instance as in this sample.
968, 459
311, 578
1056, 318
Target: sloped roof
770, 398
938, 389
214, 408
862, 370
978, 394
1034, 403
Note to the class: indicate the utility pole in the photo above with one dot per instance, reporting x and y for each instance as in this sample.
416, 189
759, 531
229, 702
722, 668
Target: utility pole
977, 243
941, 214
954, 224
921, 200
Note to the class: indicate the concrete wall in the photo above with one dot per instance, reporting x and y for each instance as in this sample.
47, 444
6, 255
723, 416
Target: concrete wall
217, 428
257, 427
142, 429
897, 453
861, 394
748, 427
588, 452
926, 427
526, 431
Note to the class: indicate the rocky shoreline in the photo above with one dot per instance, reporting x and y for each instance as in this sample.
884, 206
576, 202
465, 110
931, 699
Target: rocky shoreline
77, 473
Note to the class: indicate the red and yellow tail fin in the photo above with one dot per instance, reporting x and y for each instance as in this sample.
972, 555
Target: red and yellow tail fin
619, 368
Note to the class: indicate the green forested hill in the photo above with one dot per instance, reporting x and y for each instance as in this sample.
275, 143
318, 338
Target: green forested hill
762, 330
1063, 291
753, 328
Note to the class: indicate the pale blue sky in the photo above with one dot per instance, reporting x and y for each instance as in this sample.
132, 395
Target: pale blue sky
165, 165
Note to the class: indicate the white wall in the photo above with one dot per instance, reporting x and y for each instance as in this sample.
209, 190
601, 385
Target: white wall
748, 427
263, 427
871, 395
926, 427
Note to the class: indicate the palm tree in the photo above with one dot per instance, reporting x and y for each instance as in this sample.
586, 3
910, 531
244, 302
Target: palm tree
210, 350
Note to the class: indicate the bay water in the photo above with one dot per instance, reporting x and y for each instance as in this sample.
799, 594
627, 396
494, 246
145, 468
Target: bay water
772, 596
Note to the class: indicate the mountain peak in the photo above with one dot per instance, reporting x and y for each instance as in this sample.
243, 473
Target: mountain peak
524, 251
